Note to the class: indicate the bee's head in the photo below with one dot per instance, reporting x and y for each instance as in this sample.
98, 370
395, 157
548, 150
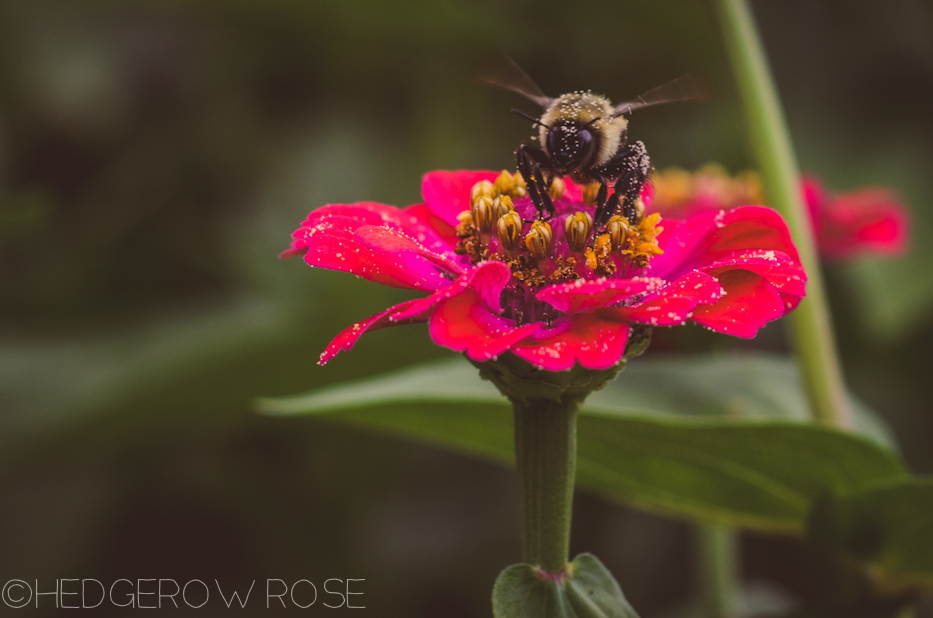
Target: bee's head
570, 145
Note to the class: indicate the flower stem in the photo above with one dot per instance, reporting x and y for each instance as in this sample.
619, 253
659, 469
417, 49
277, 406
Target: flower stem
810, 324
546, 457
719, 570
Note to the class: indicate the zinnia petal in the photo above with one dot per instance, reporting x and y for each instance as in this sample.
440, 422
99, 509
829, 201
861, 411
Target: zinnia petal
749, 303
674, 303
448, 193
582, 295
858, 222
588, 338
777, 268
710, 236
464, 323
328, 240
487, 281
348, 337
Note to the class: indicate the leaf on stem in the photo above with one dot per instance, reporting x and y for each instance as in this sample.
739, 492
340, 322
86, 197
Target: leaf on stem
587, 591
659, 437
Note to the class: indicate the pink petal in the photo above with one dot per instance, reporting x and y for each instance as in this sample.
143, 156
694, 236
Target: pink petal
708, 236
790, 302
327, 239
587, 338
777, 268
448, 193
581, 295
465, 323
673, 304
331, 245
347, 338
357, 215
387, 240
487, 280
749, 303
444, 231
868, 220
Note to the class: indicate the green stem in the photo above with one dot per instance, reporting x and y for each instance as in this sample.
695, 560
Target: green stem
546, 457
719, 570
810, 324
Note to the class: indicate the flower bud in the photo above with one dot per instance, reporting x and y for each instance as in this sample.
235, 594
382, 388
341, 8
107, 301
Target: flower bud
557, 188
538, 241
618, 232
577, 228
591, 192
482, 214
509, 230
483, 188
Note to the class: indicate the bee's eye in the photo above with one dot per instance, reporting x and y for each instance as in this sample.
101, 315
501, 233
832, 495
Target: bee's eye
569, 147
554, 141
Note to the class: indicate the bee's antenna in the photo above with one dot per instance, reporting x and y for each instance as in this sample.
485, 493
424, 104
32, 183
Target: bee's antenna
533, 120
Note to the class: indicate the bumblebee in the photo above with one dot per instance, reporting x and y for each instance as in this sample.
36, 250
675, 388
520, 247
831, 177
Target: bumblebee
584, 136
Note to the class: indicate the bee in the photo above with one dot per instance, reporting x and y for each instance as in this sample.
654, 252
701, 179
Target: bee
584, 136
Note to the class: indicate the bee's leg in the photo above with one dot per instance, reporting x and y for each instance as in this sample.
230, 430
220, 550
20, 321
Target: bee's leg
630, 168
609, 208
529, 160
602, 214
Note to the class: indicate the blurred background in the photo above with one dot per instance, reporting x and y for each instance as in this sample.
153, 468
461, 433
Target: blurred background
154, 159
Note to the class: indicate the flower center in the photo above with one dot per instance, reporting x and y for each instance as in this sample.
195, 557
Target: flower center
503, 225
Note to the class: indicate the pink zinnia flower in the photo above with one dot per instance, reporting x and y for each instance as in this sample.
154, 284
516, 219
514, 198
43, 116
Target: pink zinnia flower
847, 225
844, 226
554, 294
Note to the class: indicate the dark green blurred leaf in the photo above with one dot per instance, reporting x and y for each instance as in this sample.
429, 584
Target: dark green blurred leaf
888, 527
638, 439
590, 592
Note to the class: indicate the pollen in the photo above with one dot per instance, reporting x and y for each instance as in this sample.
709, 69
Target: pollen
642, 240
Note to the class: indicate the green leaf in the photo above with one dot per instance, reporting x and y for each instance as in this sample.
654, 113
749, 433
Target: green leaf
637, 442
889, 528
590, 591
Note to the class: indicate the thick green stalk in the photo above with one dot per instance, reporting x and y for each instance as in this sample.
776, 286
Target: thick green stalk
719, 570
546, 457
810, 324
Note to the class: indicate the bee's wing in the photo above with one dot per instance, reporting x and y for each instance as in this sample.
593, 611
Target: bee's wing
509, 76
684, 88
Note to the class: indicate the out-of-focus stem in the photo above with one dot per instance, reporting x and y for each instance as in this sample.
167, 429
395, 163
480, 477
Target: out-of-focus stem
718, 570
811, 326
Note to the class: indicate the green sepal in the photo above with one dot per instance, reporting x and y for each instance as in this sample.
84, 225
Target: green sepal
586, 589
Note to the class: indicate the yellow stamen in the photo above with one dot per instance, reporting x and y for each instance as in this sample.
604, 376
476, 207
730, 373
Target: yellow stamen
509, 231
539, 240
504, 183
483, 188
482, 214
501, 205
557, 188
577, 228
590, 193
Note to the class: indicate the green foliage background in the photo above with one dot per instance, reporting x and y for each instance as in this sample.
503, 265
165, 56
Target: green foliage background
154, 158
